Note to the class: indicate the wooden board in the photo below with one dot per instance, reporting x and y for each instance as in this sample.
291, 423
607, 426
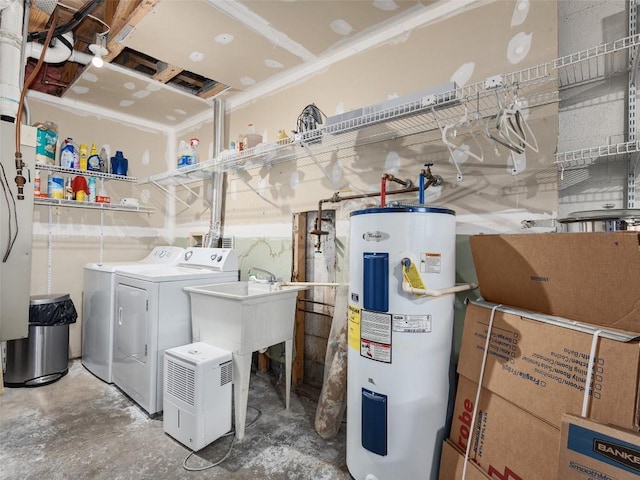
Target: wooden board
299, 275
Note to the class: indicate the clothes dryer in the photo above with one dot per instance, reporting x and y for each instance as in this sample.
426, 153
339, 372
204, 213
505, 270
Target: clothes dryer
153, 313
98, 306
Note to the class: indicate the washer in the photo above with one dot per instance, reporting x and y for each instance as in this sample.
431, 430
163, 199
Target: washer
153, 313
98, 307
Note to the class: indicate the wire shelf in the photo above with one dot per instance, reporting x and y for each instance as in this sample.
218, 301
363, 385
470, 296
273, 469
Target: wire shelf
59, 202
596, 63
587, 156
90, 173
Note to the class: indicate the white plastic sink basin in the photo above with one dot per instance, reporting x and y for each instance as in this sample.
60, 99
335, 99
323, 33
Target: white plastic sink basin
243, 290
242, 316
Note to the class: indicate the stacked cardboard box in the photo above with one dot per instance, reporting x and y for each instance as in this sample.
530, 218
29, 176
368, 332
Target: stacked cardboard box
452, 465
537, 367
592, 450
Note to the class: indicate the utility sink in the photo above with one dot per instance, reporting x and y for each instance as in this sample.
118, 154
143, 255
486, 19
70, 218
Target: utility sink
243, 317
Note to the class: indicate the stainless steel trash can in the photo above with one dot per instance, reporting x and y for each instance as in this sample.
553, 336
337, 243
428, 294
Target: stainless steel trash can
42, 357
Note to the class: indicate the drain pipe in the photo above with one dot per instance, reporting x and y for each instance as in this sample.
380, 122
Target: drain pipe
213, 236
10, 52
59, 51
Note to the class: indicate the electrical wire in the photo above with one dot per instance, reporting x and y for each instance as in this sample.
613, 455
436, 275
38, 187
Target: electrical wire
226, 455
8, 194
67, 27
75, 10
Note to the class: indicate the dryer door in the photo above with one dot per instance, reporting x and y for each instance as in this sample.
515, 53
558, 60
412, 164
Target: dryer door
130, 343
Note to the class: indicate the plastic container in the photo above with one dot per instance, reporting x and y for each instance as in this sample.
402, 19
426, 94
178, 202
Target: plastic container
119, 164
80, 188
187, 152
69, 154
68, 190
36, 184
46, 141
55, 186
92, 189
251, 138
84, 157
93, 162
104, 160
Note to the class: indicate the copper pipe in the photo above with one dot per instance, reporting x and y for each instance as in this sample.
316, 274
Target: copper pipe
315, 313
19, 179
336, 198
306, 300
383, 186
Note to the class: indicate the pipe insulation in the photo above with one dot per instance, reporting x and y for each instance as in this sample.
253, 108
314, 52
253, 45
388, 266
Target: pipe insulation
10, 51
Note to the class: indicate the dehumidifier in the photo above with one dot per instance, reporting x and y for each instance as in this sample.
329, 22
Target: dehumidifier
197, 393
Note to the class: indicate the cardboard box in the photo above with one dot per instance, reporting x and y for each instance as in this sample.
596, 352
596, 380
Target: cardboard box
452, 463
542, 368
592, 450
587, 277
507, 441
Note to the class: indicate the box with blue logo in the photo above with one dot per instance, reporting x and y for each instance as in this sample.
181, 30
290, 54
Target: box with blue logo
592, 450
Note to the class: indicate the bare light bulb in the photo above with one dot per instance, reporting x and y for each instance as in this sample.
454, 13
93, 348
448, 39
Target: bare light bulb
99, 50
97, 61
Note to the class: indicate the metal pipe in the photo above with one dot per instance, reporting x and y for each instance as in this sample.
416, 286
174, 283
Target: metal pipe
336, 198
19, 179
314, 313
306, 300
213, 235
308, 284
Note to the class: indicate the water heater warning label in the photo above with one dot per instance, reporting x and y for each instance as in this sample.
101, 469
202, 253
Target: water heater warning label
412, 323
354, 327
375, 336
430, 262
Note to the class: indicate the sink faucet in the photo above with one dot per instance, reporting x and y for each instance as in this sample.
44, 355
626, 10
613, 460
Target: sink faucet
271, 278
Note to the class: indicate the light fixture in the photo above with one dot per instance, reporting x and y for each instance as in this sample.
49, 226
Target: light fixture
99, 50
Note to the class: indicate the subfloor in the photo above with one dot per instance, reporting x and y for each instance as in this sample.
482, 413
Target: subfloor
82, 428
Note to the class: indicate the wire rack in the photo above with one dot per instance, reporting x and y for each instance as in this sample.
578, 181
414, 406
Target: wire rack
91, 173
58, 202
537, 86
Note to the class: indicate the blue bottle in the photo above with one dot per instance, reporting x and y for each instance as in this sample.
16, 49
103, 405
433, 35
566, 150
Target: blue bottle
119, 164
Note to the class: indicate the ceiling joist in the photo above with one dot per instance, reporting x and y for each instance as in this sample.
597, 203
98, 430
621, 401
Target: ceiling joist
127, 15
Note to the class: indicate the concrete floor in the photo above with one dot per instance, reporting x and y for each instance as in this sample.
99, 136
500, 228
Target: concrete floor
81, 428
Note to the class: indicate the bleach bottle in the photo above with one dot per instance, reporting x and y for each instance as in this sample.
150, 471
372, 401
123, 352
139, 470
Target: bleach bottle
69, 154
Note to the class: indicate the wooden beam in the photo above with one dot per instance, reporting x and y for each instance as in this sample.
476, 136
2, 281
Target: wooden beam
299, 275
212, 90
37, 19
128, 14
166, 72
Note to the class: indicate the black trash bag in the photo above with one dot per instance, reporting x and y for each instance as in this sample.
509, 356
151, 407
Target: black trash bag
54, 313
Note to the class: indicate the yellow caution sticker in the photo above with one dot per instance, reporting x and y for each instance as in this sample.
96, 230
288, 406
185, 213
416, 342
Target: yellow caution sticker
354, 327
412, 276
